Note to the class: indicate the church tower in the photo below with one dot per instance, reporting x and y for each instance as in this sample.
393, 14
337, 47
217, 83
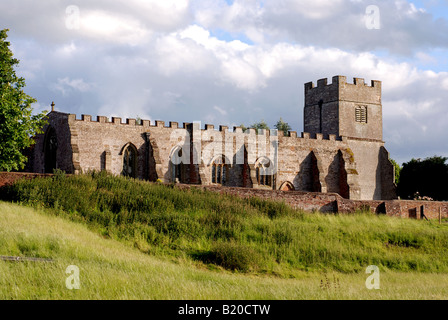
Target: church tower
344, 109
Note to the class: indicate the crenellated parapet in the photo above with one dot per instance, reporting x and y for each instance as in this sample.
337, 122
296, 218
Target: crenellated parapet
196, 126
127, 122
339, 89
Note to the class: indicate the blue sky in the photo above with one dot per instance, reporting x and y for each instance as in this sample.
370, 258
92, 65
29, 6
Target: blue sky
235, 62
438, 8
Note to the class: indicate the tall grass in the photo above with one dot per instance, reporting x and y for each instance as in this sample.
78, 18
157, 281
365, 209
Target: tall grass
111, 270
243, 235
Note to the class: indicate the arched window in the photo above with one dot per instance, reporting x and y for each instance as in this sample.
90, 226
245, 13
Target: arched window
265, 172
129, 161
50, 148
219, 171
176, 162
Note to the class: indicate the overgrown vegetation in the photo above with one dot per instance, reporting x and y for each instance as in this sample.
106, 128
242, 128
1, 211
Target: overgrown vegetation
243, 235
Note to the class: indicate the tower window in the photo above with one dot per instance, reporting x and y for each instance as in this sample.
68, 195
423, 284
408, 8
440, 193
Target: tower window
361, 114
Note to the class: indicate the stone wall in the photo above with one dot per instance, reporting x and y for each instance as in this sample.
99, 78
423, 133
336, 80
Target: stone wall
367, 157
360, 94
310, 164
59, 122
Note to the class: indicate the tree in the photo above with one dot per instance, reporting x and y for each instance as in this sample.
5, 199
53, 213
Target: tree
257, 125
260, 125
17, 124
283, 126
243, 127
426, 177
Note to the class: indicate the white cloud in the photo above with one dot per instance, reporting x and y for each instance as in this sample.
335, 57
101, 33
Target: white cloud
104, 26
66, 85
425, 58
220, 110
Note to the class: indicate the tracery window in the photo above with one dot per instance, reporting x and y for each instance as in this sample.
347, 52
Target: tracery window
264, 172
219, 171
176, 161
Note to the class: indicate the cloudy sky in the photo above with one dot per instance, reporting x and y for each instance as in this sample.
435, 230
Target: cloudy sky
233, 62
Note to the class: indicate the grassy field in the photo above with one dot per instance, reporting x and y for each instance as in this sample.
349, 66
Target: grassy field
111, 270
136, 240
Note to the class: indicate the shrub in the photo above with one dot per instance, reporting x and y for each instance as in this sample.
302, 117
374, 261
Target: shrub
231, 256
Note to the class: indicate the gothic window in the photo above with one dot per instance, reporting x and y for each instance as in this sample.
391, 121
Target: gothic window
361, 114
176, 160
264, 173
219, 171
130, 161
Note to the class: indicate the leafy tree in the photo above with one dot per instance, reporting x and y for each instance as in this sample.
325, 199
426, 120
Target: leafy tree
243, 127
282, 126
260, 125
257, 125
426, 177
17, 124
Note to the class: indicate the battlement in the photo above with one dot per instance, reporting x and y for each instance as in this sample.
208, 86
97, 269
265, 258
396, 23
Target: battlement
126, 122
239, 130
196, 126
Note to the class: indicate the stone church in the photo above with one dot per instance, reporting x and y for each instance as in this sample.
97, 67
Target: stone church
340, 151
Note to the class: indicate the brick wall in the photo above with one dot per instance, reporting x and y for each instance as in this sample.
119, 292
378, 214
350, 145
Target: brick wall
307, 201
7, 178
332, 203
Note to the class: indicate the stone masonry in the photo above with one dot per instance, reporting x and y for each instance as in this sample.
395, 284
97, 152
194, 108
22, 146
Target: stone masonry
340, 151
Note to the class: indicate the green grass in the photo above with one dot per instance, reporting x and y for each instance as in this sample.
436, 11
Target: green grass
248, 236
110, 269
